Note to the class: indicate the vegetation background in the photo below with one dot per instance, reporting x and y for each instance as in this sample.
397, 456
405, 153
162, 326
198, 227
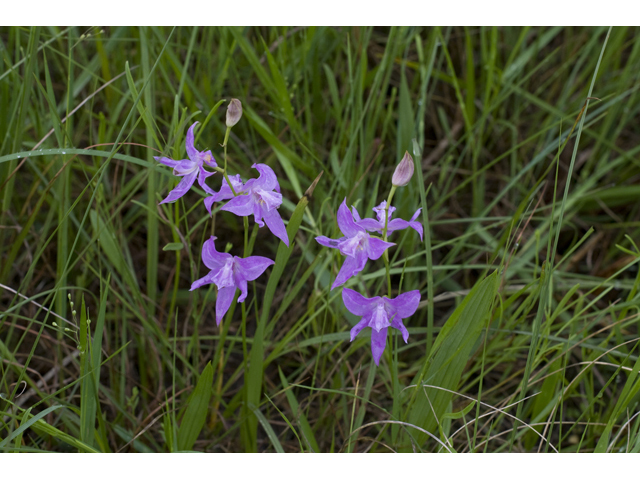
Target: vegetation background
526, 142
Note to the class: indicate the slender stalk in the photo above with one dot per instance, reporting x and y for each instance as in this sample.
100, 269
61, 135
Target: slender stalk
385, 255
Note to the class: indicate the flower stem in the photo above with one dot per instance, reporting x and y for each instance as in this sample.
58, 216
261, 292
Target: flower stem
385, 255
224, 172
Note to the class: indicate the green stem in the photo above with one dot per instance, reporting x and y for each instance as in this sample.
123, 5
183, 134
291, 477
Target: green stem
224, 171
385, 256
244, 311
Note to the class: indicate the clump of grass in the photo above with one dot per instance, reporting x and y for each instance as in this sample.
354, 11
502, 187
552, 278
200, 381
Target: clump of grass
526, 338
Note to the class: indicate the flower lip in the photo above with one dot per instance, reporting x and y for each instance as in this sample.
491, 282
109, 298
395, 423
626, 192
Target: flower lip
268, 198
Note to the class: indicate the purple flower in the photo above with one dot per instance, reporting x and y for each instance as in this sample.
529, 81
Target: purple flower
228, 273
189, 169
396, 224
261, 197
380, 313
225, 192
356, 245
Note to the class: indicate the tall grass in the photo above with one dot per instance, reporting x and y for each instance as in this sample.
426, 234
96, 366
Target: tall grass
526, 143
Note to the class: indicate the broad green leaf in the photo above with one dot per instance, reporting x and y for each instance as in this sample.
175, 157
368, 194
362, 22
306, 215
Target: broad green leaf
452, 349
197, 409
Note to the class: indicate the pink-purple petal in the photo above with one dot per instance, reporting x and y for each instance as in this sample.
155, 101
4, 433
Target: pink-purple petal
345, 221
212, 258
358, 304
398, 325
223, 302
202, 176
358, 328
417, 226
207, 158
182, 188
378, 342
351, 266
207, 279
225, 192
267, 179
242, 205
251, 268
405, 304
184, 167
270, 200
377, 247
370, 224
208, 204
258, 211
167, 161
356, 215
379, 317
191, 149
276, 225
242, 285
397, 224
330, 242
380, 212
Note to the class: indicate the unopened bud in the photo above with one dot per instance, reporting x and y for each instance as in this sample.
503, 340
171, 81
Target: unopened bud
404, 171
234, 112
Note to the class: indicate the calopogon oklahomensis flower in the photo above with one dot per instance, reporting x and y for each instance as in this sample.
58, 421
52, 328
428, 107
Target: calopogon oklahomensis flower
259, 197
380, 313
189, 169
357, 245
229, 272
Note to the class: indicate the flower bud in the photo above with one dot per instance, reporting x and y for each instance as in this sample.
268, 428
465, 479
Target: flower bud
404, 171
234, 112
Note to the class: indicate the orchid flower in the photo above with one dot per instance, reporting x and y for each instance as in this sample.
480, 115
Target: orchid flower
374, 225
189, 169
261, 197
225, 192
380, 313
356, 245
228, 273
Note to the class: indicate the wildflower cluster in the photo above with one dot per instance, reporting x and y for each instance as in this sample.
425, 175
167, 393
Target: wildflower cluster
259, 197
363, 238
358, 246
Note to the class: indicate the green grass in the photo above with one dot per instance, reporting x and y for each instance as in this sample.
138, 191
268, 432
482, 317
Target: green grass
526, 338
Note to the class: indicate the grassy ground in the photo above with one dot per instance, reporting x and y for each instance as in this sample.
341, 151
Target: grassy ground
526, 338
